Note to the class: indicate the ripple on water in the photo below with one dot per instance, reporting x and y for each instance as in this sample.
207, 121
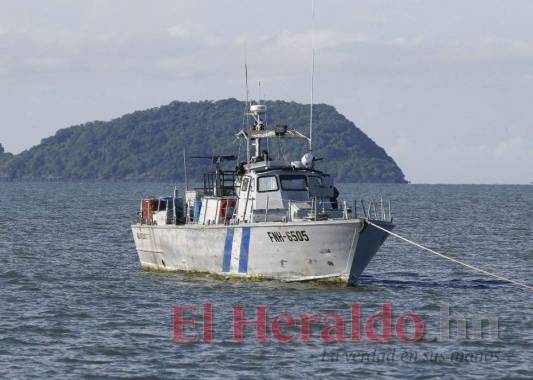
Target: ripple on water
75, 304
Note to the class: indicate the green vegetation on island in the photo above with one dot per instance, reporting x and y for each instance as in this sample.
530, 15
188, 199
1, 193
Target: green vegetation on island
4, 157
149, 144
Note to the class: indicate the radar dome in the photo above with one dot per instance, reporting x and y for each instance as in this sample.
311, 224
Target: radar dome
308, 160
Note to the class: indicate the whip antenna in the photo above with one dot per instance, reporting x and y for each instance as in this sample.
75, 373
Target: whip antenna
312, 74
185, 170
246, 76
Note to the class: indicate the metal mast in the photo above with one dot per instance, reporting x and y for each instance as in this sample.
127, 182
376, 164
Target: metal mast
312, 74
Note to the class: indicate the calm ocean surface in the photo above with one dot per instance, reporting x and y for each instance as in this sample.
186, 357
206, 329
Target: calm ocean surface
74, 304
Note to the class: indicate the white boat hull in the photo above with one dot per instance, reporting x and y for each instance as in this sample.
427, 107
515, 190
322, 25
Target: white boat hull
328, 250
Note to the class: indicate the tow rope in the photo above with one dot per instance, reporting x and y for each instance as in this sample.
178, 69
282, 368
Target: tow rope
529, 287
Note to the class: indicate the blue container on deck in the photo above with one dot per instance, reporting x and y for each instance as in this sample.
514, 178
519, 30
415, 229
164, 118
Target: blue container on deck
197, 208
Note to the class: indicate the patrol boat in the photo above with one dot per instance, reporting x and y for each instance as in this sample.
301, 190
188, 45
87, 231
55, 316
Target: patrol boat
267, 219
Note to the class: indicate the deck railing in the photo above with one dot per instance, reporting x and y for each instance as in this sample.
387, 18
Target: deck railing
315, 210
294, 210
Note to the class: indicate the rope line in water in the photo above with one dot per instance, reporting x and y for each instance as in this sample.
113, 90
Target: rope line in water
452, 259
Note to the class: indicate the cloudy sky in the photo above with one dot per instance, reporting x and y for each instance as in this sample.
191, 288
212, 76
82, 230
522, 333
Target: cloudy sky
446, 87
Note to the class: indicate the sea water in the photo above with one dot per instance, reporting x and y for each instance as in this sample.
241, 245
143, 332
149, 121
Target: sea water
74, 302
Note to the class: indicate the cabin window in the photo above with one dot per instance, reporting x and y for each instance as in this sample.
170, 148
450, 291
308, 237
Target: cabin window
293, 182
245, 183
267, 183
315, 181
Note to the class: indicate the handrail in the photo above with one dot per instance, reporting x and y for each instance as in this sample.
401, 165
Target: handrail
313, 209
317, 209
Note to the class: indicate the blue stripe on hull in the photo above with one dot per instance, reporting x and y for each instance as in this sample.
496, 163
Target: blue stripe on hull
228, 245
245, 245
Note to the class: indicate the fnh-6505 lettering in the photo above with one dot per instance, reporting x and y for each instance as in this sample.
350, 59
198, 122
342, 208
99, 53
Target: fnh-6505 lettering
281, 237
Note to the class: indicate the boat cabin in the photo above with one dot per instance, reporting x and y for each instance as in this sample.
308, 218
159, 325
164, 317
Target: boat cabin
260, 189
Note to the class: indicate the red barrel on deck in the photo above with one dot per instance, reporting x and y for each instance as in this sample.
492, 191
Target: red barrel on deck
149, 205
